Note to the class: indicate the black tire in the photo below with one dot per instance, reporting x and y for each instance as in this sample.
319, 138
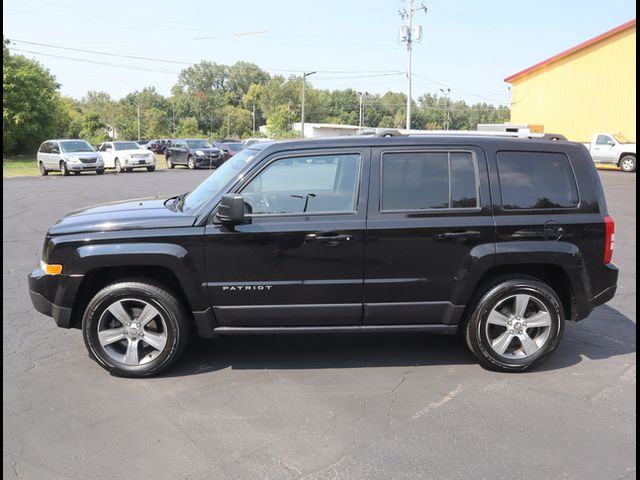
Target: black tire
43, 171
497, 293
169, 163
118, 166
151, 169
191, 163
63, 169
128, 170
172, 317
628, 163
76, 173
100, 172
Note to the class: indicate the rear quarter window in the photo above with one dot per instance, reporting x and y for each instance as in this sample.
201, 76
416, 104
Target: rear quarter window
536, 181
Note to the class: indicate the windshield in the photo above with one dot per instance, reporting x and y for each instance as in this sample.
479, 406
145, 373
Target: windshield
126, 146
198, 144
76, 146
622, 139
218, 179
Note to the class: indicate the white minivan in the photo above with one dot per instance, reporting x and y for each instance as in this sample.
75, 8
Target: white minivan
67, 156
125, 156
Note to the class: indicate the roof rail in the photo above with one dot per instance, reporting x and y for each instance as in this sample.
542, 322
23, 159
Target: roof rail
384, 132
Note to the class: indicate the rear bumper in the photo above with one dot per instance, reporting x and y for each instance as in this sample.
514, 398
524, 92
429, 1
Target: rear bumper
607, 284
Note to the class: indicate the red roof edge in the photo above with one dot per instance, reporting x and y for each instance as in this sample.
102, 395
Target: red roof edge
607, 34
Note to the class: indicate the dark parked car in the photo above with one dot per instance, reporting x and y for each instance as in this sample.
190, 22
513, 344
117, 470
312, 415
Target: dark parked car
156, 146
500, 239
230, 148
194, 153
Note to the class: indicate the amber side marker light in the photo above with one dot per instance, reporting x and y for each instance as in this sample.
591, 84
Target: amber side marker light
51, 269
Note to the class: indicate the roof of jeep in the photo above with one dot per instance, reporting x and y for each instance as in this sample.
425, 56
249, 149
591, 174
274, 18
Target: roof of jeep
497, 142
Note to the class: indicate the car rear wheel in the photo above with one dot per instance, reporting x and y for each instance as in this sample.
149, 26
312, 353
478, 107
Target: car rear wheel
63, 169
628, 163
43, 171
515, 324
191, 163
118, 166
170, 163
151, 169
135, 329
100, 171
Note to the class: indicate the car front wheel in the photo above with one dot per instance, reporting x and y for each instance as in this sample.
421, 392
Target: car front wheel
135, 329
63, 169
628, 163
151, 169
191, 163
118, 166
515, 324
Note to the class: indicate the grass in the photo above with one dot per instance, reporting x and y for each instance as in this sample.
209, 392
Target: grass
19, 166
26, 166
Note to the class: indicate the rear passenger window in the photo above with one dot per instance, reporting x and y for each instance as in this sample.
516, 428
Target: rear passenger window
535, 180
424, 181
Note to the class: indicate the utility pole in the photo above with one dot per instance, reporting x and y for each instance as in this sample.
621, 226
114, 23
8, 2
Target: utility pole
410, 34
304, 81
253, 117
173, 120
446, 105
361, 115
138, 121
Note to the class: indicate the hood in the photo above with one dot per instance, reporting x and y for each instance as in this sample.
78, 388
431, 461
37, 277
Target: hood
209, 150
144, 213
136, 151
88, 154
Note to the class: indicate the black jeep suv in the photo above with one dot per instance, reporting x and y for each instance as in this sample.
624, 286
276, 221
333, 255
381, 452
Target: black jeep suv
193, 153
502, 239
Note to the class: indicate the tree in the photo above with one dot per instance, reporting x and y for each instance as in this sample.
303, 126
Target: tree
31, 104
93, 130
188, 127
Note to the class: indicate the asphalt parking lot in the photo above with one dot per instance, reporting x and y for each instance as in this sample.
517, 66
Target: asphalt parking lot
401, 406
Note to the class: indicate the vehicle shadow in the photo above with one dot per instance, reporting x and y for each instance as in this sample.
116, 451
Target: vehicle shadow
605, 334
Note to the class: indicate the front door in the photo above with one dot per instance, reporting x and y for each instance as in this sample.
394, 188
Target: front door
298, 259
604, 150
429, 226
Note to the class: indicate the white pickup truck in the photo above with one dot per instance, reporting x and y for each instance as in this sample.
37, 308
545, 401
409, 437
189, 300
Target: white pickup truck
613, 149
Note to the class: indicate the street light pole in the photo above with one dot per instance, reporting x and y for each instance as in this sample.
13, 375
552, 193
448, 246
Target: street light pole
304, 81
446, 105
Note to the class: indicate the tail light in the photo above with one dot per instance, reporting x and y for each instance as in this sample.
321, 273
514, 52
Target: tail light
610, 233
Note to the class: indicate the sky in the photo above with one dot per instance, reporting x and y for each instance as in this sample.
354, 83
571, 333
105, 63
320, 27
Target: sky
468, 46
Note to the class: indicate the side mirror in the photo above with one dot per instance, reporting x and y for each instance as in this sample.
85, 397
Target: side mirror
231, 209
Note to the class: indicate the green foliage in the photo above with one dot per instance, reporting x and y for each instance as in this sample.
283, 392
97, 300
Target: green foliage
209, 99
188, 127
31, 105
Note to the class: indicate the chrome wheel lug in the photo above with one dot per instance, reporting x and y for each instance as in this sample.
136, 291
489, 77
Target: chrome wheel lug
511, 331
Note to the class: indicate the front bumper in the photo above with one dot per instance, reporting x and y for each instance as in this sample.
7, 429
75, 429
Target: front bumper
53, 295
84, 167
209, 161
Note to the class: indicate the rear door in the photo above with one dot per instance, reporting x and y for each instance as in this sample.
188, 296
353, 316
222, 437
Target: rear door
429, 223
298, 260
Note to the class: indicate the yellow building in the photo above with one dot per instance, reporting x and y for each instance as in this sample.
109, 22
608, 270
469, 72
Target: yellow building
587, 89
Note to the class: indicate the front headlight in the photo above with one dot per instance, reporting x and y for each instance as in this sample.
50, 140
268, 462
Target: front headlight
72, 159
200, 153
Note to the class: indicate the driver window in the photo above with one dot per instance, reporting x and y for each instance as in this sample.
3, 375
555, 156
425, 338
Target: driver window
309, 184
604, 140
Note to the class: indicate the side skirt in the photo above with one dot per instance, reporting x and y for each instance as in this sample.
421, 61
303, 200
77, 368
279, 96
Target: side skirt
432, 328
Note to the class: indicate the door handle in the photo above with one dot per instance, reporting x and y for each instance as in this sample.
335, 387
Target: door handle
331, 239
458, 236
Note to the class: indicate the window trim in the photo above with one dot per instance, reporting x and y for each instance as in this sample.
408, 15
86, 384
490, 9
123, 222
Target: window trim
284, 155
449, 209
571, 169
